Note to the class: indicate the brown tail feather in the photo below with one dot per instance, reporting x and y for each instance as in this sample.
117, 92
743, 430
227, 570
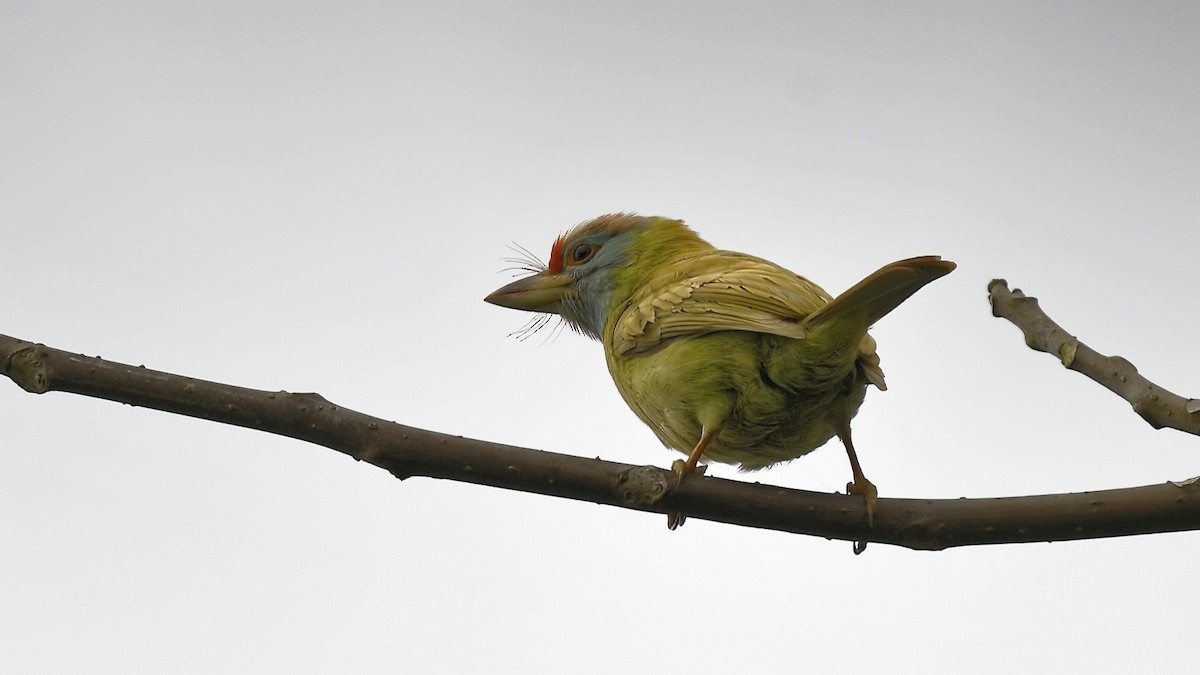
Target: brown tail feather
884, 289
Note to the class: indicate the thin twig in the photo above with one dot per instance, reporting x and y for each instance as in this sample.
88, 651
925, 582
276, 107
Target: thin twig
1159, 407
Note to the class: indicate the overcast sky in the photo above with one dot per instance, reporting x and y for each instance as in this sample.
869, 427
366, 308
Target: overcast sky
316, 197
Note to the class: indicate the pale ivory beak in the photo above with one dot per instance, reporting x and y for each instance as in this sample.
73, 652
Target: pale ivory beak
542, 292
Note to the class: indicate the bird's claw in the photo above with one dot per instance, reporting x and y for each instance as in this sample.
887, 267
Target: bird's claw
870, 493
680, 468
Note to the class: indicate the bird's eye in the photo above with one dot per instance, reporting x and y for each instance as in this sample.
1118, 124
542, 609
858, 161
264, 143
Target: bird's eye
583, 253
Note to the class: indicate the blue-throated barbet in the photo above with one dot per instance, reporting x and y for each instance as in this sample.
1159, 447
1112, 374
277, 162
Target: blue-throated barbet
725, 356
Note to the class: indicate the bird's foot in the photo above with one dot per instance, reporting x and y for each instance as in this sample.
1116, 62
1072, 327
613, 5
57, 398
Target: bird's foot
870, 493
681, 469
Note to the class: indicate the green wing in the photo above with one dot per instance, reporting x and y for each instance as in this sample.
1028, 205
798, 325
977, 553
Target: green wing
716, 291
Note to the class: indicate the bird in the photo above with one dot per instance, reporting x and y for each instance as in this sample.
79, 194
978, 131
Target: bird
727, 357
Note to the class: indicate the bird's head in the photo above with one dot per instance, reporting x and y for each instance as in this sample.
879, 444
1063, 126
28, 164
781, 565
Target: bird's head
597, 266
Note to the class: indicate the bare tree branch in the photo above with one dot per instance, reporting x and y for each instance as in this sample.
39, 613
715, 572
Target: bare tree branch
406, 451
1159, 407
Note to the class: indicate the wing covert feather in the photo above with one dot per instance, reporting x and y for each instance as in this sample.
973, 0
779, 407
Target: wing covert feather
716, 291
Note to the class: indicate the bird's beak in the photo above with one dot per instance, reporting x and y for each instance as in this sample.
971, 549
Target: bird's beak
542, 292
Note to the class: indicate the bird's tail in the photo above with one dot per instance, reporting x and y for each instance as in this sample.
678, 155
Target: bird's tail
849, 315
872, 298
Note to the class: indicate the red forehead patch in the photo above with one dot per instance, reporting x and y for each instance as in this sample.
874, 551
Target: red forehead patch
555, 265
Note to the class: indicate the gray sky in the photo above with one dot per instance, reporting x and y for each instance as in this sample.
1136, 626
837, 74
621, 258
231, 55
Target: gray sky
315, 197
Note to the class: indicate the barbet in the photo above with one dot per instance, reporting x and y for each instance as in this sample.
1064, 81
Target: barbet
725, 356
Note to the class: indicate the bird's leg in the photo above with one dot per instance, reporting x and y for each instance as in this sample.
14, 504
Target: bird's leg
860, 486
682, 468
693, 459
